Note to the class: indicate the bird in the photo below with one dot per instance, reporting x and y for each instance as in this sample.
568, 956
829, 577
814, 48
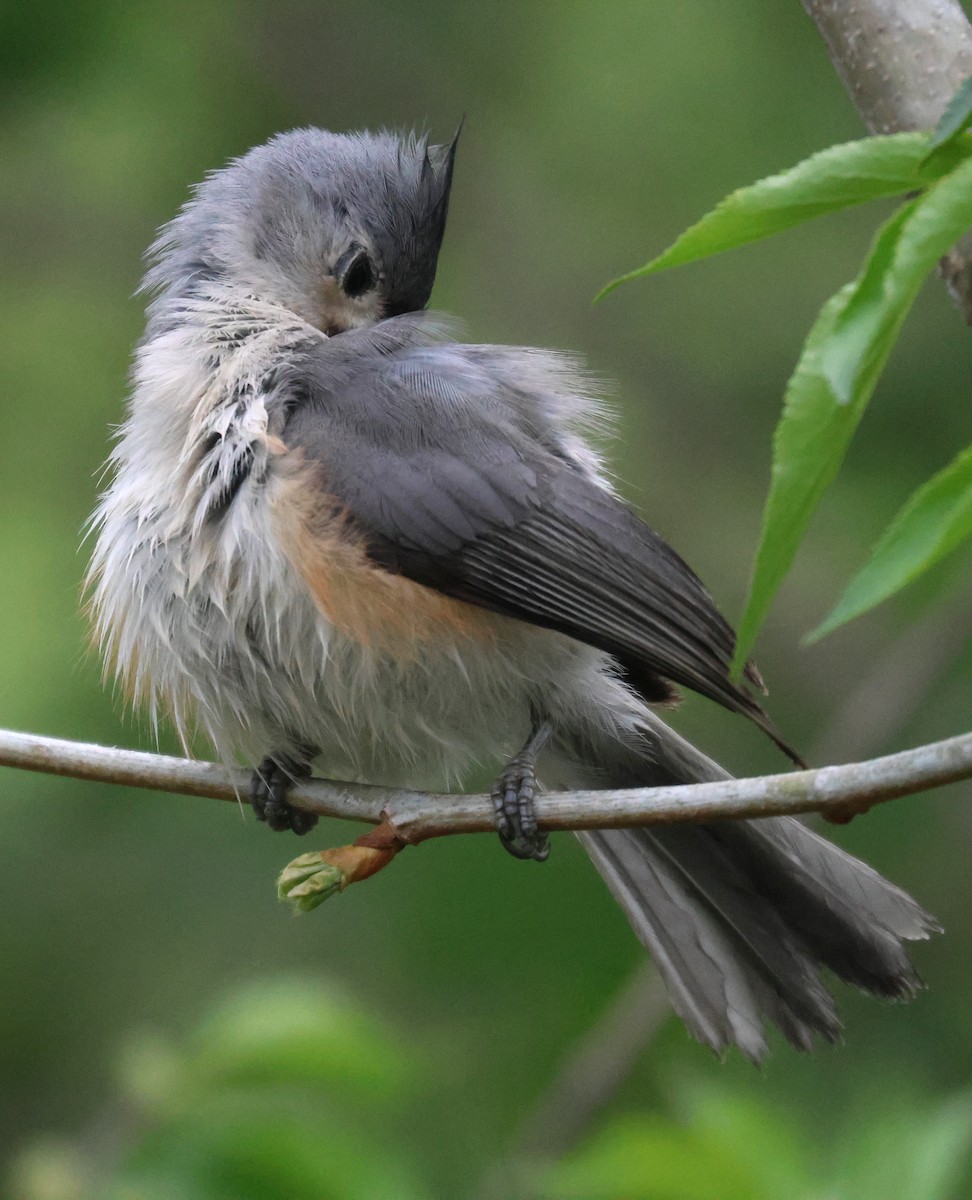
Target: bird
335, 536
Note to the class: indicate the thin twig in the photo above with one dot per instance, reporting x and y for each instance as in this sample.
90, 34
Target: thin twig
837, 792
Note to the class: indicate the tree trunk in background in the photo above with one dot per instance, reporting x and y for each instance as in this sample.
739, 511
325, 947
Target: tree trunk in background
901, 62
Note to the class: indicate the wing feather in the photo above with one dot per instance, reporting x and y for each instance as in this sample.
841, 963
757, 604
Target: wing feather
459, 476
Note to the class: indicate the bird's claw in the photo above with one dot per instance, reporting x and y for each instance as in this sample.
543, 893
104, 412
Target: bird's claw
516, 819
269, 785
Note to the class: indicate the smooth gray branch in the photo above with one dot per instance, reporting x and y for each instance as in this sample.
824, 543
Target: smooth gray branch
901, 62
835, 791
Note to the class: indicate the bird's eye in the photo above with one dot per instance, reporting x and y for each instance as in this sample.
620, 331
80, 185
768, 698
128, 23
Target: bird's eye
359, 277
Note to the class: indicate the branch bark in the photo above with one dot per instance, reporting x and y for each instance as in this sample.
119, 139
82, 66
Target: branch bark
901, 63
836, 792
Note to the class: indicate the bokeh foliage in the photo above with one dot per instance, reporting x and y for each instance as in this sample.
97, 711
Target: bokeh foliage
292, 1088
594, 134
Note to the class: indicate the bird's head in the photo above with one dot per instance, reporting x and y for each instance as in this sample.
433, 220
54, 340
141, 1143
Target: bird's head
342, 229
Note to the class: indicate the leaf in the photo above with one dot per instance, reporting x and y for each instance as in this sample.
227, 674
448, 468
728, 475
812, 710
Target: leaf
833, 179
940, 1155
956, 118
840, 365
932, 523
268, 1144
891, 278
808, 447
644, 1157
871, 304
762, 1137
291, 1030
912, 1152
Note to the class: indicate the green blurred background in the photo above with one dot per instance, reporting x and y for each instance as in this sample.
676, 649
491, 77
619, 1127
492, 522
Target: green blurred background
593, 134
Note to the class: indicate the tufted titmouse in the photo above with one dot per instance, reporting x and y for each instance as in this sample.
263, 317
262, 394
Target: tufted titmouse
335, 535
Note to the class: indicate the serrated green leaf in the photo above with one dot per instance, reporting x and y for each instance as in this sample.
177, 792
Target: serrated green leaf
809, 444
892, 276
860, 322
840, 365
956, 118
933, 522
833, 179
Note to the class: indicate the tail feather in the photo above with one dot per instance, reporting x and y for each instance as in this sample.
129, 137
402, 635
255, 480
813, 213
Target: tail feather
740, 916
855, 919
728, 965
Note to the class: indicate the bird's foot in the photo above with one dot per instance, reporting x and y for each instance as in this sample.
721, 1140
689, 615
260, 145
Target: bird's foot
269, 785
513, 793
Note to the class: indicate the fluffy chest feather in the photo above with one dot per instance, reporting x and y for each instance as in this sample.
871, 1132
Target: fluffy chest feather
220, 601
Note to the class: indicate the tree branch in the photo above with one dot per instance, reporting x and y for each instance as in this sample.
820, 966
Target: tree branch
837, 792
901, 63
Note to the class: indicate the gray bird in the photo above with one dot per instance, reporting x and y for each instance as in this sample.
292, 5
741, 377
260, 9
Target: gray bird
336, 536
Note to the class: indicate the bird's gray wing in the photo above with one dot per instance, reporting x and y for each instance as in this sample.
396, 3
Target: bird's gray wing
450, 479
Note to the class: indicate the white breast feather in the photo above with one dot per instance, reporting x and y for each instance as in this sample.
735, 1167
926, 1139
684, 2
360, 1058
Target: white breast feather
210, 624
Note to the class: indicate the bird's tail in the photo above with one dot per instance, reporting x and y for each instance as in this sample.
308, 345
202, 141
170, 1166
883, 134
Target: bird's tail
740, 916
